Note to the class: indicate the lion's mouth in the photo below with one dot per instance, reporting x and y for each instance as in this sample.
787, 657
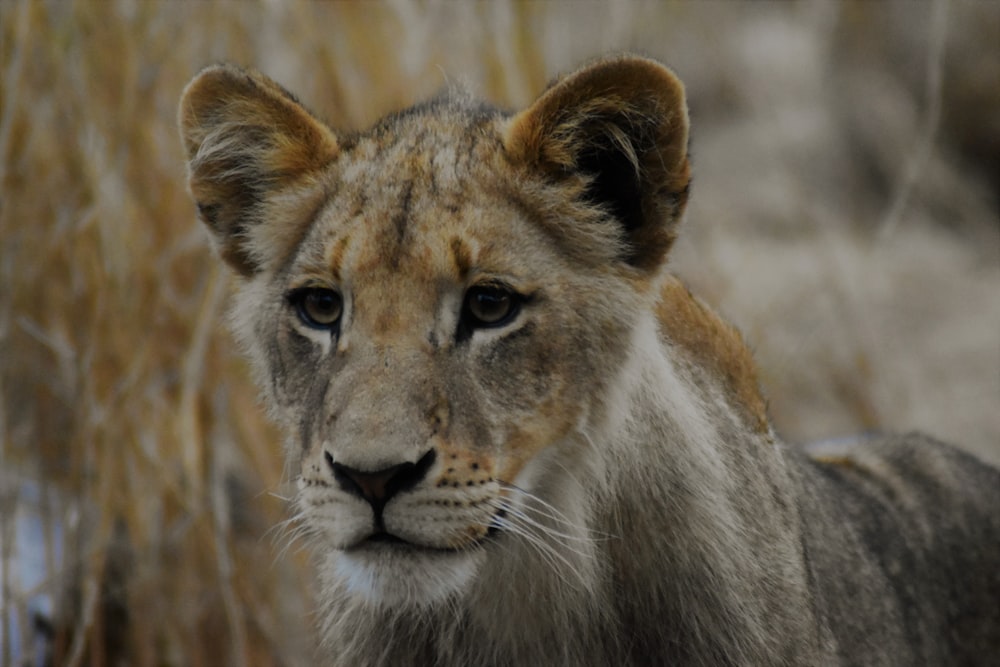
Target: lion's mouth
390, 569
384, 537
382, 541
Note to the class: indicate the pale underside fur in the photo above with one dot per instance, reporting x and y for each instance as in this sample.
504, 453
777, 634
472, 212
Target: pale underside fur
589, 479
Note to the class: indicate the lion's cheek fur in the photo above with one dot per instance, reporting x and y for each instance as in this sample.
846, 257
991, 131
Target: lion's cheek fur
547, 386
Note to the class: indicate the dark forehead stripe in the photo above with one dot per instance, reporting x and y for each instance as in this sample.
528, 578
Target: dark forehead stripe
400, 224
461, 257
401, 219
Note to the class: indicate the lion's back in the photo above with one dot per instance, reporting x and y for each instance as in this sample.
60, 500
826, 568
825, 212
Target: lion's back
902, 538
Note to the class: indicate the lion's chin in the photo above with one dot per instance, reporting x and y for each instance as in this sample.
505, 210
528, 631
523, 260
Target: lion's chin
397, 574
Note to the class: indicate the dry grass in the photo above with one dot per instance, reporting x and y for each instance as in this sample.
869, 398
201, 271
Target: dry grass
127, 423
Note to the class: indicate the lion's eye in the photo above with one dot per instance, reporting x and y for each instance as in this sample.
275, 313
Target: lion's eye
317, 307
490, 306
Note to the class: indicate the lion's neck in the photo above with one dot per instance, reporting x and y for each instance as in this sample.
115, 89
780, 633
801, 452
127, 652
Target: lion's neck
715, 348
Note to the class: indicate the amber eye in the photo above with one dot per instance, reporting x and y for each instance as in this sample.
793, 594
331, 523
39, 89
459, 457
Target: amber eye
317, 307
490, 306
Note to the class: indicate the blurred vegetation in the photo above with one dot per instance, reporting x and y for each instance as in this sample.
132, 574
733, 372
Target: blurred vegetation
128, 427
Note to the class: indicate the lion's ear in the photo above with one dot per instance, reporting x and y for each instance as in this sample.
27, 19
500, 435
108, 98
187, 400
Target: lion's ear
622, 125
247, 140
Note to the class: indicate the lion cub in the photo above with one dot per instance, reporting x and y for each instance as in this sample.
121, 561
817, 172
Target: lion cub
518, 439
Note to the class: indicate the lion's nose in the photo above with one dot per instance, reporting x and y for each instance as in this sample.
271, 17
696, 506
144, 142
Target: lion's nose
379, 486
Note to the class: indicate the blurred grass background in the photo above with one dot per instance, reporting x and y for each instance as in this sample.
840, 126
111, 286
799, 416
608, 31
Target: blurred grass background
845, 215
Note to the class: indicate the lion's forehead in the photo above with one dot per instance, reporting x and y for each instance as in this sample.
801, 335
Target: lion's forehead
415, 219
445, 152
416, 214
403, 183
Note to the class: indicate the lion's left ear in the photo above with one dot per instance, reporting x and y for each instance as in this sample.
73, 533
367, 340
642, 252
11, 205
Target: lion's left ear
621, 124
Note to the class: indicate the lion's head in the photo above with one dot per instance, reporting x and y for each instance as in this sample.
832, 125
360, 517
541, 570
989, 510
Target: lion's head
438, 309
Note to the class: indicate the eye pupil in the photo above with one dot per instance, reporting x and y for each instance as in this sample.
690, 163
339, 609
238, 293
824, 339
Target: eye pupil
318, 307
488, 306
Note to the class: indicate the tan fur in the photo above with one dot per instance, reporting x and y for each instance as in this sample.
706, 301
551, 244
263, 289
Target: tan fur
715, 345
221, 106
587, 477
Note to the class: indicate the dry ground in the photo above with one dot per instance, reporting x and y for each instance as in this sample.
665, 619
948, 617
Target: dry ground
845, 215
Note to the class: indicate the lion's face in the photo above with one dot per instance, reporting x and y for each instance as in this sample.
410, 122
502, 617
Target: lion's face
438, 309
425, 342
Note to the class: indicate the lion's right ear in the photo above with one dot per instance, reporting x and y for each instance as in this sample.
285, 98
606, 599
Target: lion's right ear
248, 140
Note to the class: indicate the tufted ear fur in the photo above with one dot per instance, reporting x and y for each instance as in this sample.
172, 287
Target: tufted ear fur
622, 126
248, 141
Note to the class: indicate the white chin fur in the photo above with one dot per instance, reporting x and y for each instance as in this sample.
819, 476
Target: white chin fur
390, 576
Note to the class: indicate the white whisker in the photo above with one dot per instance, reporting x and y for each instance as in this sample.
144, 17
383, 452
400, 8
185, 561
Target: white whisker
556, 561
289, 533
523, 515
543, 508
561, 551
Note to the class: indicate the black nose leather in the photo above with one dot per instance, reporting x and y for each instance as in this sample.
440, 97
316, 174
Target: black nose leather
377, 487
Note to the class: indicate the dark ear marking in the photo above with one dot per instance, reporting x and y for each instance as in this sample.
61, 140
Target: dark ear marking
614, 183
